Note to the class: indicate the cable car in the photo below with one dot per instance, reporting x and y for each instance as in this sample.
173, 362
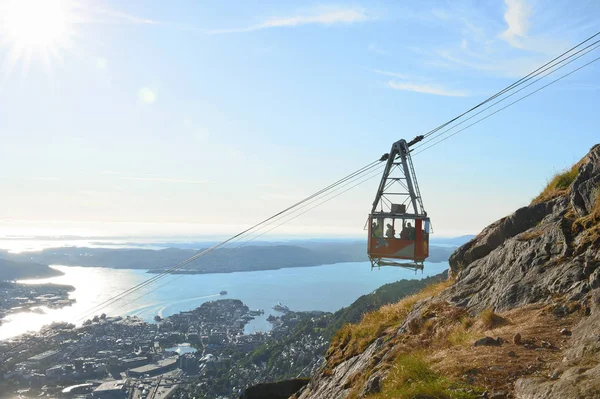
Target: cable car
398, 226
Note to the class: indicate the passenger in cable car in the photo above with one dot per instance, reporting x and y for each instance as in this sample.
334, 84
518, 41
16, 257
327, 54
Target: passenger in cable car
377, 229
411, 231
389, 233
404, 232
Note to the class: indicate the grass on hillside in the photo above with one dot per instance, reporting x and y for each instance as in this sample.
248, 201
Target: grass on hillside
412, 377
491, 320
529, 235
558, 185
353, 339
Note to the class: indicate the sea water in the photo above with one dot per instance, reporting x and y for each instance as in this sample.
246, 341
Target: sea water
326, 288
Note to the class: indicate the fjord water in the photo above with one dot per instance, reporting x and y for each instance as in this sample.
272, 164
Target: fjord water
326, 288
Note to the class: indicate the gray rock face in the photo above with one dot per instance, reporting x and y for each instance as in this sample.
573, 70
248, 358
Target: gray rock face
372, 386
339, 384
533, 254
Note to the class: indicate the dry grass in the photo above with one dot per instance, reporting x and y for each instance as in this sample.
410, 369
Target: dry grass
411, 377
439, 361
353, 339
558, 185
529, 235
461, 335
491, 366
490, 320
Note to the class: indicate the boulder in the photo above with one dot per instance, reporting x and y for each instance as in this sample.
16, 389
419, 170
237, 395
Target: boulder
517, 339
274, 390
487, 341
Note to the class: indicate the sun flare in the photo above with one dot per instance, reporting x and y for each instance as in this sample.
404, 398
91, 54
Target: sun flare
35, 28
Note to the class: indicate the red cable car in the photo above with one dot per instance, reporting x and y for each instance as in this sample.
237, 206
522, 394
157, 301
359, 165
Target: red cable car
398, 224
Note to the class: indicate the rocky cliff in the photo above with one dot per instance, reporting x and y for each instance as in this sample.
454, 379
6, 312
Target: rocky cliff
519, 316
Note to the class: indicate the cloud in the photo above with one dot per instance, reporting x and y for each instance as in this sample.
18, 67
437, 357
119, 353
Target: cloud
517, 18
277, 196
441, 14
147, 95
101, 63
373, 48
200, 133
425, 89
114, 16
507, 44
416, 84
506, 67
160, 179
321, 16
388, 73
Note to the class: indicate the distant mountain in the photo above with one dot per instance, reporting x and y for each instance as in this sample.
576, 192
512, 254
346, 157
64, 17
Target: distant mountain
122, 258
11, 270
223, 260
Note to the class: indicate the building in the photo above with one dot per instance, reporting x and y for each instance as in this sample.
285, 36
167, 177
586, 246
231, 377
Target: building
188, 363
165, 391
42, 358
161, 367
134, 362
55, 371
111, 390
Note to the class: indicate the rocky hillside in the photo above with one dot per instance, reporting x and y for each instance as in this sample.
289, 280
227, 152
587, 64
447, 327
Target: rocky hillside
519, 316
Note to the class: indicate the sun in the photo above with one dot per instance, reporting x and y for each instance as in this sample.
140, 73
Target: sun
35, 28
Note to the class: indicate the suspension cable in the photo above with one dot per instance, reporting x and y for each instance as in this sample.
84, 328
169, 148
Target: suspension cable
509, 87
595, 45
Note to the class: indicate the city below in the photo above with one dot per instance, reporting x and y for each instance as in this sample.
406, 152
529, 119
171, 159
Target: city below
125, 357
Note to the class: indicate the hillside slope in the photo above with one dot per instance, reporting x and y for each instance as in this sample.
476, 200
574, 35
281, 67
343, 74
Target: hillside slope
519, 316
11, 270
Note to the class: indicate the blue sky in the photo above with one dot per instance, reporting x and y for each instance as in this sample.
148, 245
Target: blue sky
186, 117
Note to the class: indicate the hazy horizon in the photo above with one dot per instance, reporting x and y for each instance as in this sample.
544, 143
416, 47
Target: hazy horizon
123, 119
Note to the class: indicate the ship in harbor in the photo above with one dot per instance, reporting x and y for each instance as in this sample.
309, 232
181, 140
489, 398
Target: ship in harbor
281, 308
223, 292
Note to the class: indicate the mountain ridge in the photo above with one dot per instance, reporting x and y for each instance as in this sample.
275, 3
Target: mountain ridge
244, 258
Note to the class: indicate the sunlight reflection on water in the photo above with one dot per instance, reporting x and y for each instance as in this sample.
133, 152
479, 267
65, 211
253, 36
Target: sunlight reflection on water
93, 286
326, 288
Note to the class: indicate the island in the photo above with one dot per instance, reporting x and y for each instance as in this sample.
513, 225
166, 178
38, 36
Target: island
22, 269
263, 256
18, 298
